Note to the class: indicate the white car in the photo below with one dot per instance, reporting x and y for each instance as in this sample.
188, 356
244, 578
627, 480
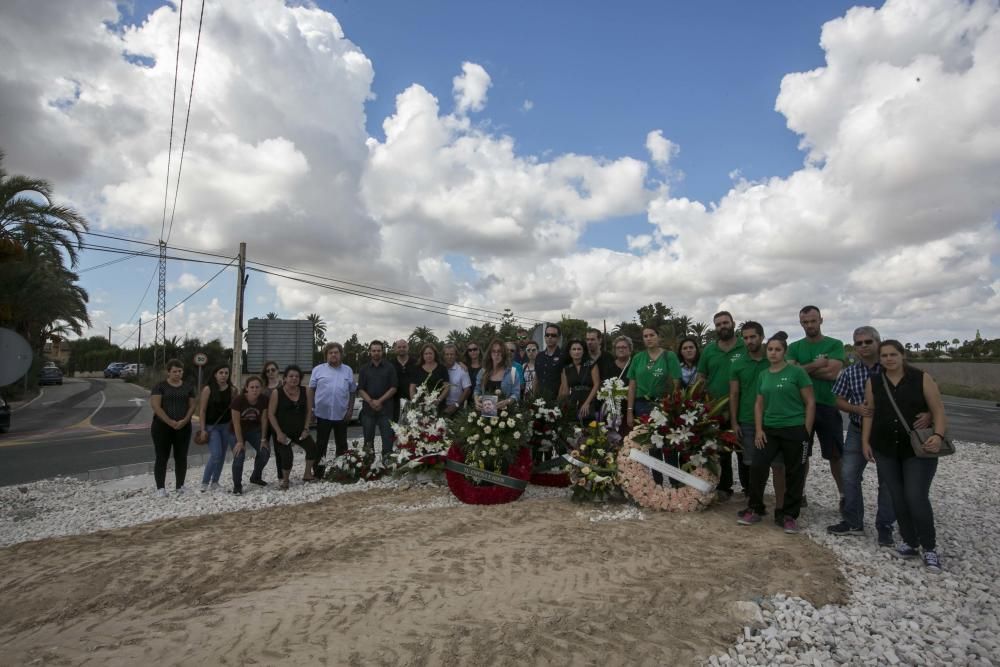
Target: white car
133, 370
356, 412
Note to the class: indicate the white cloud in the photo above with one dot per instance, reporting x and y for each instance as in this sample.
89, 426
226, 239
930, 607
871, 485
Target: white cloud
660, 148
186, 282
470, 88
527, 105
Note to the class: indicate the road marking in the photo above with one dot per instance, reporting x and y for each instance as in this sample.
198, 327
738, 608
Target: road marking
41, 392
138, 401
37, 438
120, 449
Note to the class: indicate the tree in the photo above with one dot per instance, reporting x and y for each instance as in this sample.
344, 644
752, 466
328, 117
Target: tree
319, 330
481, 333
572, 328
25, 221
508, 325
700, 331
423, 335
271, 316
457, 338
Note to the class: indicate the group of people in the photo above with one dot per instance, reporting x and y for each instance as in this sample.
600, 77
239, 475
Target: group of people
781, 395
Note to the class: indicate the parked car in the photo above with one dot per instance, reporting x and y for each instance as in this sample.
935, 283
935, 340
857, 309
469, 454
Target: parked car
4, 415
50, 375
132, 370
114, 369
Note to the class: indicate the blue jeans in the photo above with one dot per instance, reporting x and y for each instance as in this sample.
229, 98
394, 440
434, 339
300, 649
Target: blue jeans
853, 467
252, 439
369, 421
220, 438
909, 483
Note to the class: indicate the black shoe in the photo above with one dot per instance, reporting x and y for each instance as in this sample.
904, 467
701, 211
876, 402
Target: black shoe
320, 472
237, 490
779, 516
885, 537
844, 528
258, 482
723, 495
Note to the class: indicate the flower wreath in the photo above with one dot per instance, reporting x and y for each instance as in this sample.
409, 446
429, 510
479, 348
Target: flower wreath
637, 482
471, 494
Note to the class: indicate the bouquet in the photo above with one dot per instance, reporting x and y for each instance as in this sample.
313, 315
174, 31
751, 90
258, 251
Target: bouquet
549, 431
685, 429
355, 465
593, 475
421, 435
612, 392
490, 443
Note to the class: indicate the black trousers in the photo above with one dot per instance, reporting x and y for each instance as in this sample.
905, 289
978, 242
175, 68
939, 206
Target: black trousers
323, 430
285, 458
165, 440
791, 443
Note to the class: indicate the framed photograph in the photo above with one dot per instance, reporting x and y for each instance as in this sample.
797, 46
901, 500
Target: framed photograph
489, 404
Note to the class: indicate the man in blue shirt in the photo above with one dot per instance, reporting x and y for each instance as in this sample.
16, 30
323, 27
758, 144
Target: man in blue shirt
459, 382
331, 393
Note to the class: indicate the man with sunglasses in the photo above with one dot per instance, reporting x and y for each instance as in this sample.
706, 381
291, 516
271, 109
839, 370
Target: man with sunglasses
549, 364
849, 391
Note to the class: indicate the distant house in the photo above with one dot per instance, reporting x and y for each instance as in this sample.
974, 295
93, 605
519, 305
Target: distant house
57, 350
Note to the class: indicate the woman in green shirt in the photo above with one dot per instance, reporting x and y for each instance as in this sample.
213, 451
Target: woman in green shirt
783, 418
651, 375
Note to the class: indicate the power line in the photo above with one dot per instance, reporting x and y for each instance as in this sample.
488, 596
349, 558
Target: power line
187, 119
173, 110
136, 253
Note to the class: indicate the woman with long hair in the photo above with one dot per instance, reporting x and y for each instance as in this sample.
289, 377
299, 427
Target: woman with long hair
431, 371
215, 418
498, 379
473, 359
173, 403
530, 387
689, 352
249, 421
579, 383
651, 375
784, 414
885, 441
271, 377
289, 414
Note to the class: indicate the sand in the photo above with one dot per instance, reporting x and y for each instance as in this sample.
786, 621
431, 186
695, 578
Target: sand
400, 578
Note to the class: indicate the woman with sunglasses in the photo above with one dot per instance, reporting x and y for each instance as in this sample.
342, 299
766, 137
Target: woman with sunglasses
271, 378
473, 361
530, 387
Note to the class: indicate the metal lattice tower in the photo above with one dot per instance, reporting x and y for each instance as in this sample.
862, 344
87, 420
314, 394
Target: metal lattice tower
159, 341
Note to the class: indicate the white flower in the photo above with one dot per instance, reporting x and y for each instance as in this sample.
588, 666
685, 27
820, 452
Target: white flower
510, 423
517, 435
503, 414
494, 420
690, 417
493, 451
657, 418
656, 439
679, 436
487, 430
472, 417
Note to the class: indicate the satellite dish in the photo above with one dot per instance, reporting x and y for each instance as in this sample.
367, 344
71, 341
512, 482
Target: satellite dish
15, 356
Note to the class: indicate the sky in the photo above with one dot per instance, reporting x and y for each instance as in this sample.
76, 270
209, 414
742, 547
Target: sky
557, 158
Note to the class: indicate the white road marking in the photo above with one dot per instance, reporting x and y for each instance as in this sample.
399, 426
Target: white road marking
41, 392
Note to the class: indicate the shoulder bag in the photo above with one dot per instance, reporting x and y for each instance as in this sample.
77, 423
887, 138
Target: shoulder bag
919, 435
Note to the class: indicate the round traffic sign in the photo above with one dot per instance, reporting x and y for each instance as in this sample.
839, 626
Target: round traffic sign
200, 359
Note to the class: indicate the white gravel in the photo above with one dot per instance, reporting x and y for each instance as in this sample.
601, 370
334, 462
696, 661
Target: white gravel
898, 613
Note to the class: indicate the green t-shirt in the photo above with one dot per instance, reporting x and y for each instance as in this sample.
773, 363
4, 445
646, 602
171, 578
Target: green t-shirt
747, 372
715, 364
651, 379
782, 392
805, 352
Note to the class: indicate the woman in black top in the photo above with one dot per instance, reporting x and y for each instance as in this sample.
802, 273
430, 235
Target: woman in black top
886, 442
290, 413
215, 418
579, 383
271, 377
474, 364
432, 368
172, 401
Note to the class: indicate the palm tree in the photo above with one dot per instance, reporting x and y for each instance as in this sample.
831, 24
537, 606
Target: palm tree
423, 335
24, 221
271, 316
319, 329
700, 329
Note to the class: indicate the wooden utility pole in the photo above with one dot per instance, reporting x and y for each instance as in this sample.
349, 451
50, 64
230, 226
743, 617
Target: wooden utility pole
138, 362
237, 372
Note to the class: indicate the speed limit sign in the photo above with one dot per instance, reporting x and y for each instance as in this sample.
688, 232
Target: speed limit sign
200, 359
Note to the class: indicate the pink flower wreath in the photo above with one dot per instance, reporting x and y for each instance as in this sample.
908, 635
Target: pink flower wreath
636, 481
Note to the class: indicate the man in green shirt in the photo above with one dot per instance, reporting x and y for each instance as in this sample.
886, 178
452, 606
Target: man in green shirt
744, 378
713, 370
822, 358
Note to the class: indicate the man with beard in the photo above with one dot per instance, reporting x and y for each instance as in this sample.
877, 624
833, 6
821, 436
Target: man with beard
822, 358
713, 370
405, 366
744, 377
377, 386
331, 394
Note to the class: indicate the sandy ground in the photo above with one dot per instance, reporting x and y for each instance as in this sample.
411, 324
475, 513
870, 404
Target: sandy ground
396, 578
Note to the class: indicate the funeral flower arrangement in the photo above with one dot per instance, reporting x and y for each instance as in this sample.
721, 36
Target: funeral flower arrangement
355, 465
490, 443
684, 431
612, 392
593, 472
421, 435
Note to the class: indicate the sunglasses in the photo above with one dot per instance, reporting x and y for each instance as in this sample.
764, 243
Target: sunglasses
271, 370
472, 349
868, 341
548, 335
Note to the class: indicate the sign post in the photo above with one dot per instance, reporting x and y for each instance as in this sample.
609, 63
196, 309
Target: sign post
200, 360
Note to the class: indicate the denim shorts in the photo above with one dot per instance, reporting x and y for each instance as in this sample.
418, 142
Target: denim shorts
829, 428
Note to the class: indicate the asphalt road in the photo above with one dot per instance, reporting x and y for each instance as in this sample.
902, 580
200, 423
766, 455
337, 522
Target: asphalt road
87, 424
82, 425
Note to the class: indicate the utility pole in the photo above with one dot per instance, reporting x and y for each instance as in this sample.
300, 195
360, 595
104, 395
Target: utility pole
138, 361
241, 282
160, 337
109, 334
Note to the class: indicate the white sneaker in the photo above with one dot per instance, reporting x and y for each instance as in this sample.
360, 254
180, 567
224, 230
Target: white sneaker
215, 488
180, 490
161, 493
204, 488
